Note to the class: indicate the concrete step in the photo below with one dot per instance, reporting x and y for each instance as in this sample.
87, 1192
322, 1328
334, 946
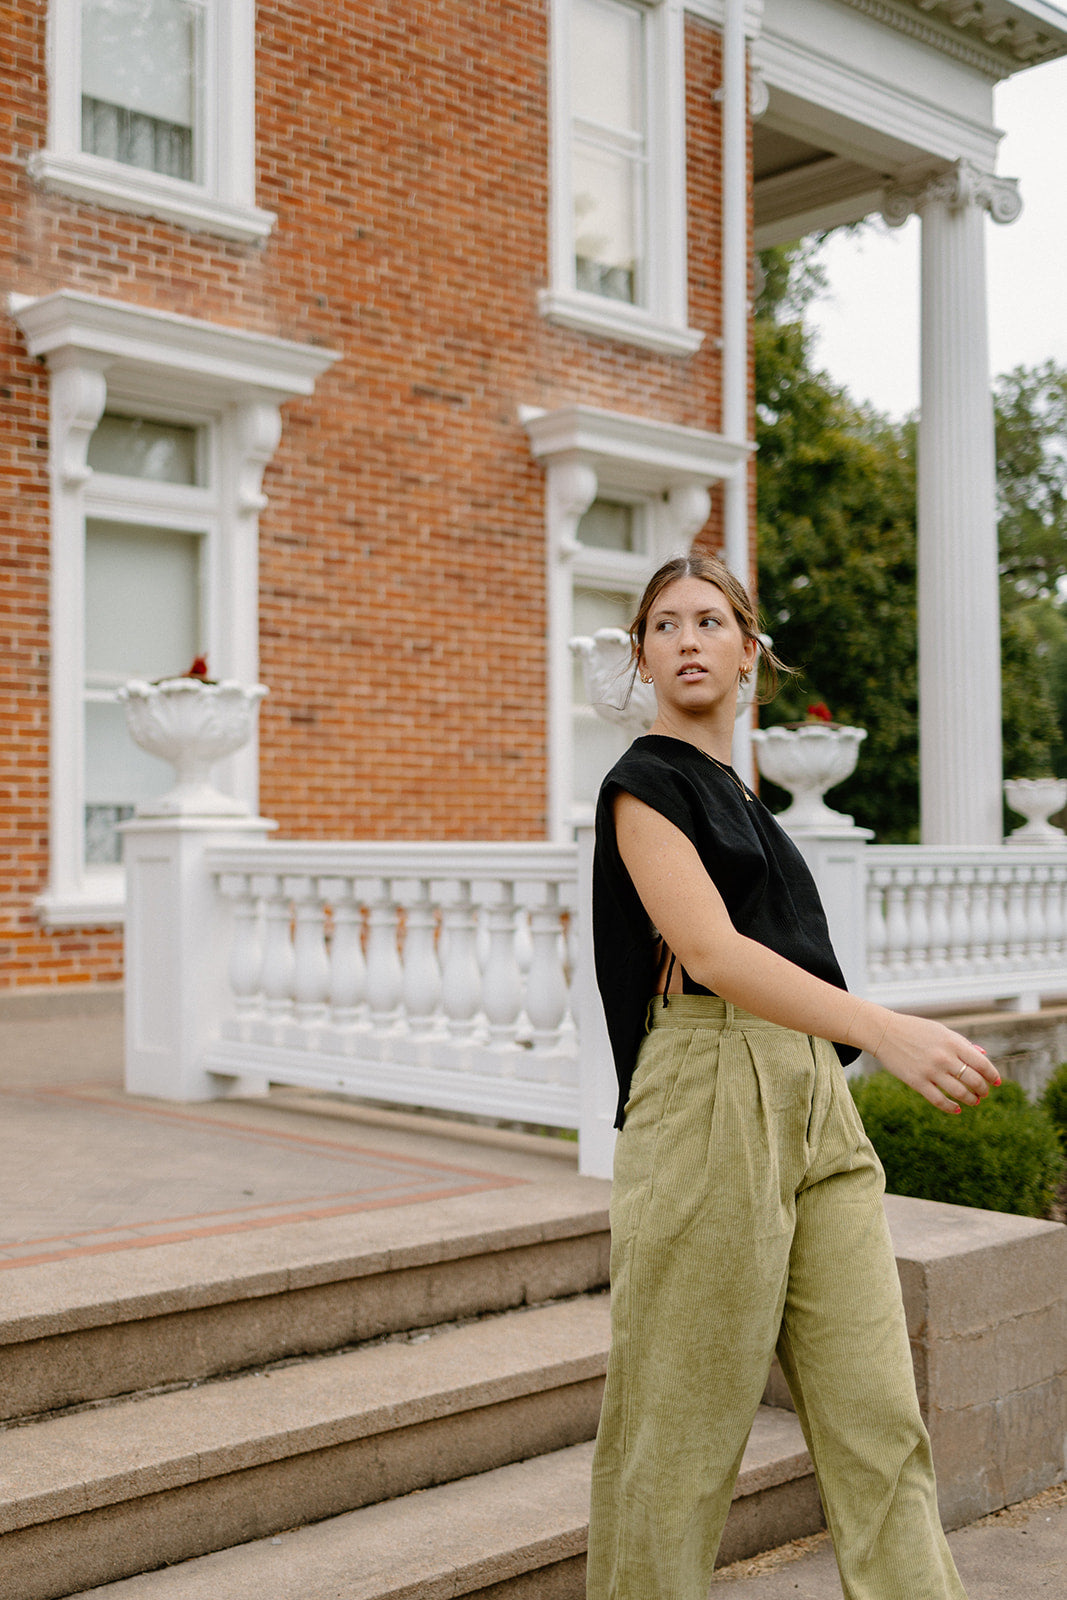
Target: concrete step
99, 1494
110, 1324
518, 1531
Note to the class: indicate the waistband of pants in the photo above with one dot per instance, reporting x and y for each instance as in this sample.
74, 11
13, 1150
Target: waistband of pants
702, 1011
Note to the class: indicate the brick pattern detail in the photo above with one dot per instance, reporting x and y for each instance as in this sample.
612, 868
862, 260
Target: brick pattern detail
405, 151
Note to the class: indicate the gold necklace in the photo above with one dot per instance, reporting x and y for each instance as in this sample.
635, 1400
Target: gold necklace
729, 771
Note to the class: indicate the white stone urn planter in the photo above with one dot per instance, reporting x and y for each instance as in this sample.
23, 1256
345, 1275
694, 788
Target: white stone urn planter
1036, 799
192, 724
807, 760
607, 668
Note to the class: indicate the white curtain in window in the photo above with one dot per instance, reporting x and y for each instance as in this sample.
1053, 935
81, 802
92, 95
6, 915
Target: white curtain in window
139, 82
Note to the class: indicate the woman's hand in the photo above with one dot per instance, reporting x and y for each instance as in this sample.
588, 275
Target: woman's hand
942, 1066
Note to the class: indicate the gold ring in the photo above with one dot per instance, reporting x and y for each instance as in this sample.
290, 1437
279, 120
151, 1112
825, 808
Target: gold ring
962, 1070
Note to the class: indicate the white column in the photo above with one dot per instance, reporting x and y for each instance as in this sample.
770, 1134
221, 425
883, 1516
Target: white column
735, 320
958, 600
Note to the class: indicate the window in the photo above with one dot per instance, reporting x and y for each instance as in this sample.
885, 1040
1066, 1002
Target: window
144, 616
622, 495
151, 109
610, 569
161, 428
618, 172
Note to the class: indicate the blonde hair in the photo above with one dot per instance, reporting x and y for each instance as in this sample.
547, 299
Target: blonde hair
712, 570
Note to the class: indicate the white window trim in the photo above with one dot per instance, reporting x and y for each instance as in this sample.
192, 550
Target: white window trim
586, 452
223, 200
156, 363
662, 325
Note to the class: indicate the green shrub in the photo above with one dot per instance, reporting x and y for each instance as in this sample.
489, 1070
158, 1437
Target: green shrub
1003, 1155
1054, 1100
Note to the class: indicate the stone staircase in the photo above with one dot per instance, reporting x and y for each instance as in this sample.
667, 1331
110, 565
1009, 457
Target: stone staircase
330, 1411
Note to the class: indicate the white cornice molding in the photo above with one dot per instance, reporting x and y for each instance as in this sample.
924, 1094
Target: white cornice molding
632, 452
801, 69
111, 332
989, 39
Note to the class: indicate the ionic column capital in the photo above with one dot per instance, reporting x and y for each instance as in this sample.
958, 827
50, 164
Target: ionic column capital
963, 184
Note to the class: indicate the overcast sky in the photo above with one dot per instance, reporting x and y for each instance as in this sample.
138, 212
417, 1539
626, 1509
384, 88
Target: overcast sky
868, 327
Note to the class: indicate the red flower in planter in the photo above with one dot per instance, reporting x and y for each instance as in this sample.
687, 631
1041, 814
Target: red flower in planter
820, 712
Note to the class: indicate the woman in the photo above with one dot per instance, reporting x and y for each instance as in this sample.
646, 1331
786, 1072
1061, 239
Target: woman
746, 1208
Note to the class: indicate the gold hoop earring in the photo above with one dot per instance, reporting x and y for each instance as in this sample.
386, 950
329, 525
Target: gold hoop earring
643, 678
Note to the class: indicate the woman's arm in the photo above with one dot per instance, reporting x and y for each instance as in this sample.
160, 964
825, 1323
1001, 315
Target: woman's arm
688, 911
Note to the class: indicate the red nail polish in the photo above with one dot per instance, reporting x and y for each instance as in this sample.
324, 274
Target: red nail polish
996, 1083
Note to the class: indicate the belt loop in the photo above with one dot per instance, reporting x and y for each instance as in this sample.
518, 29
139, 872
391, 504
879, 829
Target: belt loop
729, 1016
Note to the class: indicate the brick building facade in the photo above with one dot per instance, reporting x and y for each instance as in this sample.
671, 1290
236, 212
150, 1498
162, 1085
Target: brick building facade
397, 214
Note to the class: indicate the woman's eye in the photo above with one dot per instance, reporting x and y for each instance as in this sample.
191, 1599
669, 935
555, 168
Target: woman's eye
710, 622
664, 626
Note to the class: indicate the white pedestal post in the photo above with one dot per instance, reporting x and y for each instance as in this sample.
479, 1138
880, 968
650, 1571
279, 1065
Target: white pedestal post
837, 865
958, 601
598, 1086
177, 948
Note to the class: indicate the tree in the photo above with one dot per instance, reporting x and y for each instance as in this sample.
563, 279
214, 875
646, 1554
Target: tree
837, 561
836, 538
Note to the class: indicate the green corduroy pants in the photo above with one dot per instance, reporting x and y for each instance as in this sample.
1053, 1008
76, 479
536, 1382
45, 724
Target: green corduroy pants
746, 1218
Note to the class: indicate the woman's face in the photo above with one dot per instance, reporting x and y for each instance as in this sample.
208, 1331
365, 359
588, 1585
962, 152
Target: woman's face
694, 649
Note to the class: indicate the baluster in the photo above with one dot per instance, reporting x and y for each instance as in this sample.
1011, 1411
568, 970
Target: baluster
940, 932
279, 966
502, 977
1055, 918
981, 919
347, 971
998, 917
877, 933
960, 916
385, 975
896, 921
546, 986
422, 970
246, 958
1017, 881
1036, 923
311, 978
918, 907
461, 976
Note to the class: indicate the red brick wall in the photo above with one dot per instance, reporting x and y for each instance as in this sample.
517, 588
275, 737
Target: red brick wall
405, 151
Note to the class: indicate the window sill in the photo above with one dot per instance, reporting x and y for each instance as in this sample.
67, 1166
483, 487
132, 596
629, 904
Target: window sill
98, 903
121, 188
612, 319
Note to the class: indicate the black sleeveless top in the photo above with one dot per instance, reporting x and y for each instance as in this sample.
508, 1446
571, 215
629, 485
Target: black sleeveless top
764, 881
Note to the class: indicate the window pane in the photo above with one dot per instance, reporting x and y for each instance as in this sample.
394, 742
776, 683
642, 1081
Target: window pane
610, 525
605, 222
142, 620
142, 602
598, 608
606, 60
139, 82
164, 452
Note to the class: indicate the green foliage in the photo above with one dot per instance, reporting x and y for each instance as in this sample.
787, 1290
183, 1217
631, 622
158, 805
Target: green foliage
1031, 416
1003, 1155
837, 557
1054, 1101
836, 541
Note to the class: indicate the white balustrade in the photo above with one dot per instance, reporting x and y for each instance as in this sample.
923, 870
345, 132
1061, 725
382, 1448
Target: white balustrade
442, 975
970, 924
436, 975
